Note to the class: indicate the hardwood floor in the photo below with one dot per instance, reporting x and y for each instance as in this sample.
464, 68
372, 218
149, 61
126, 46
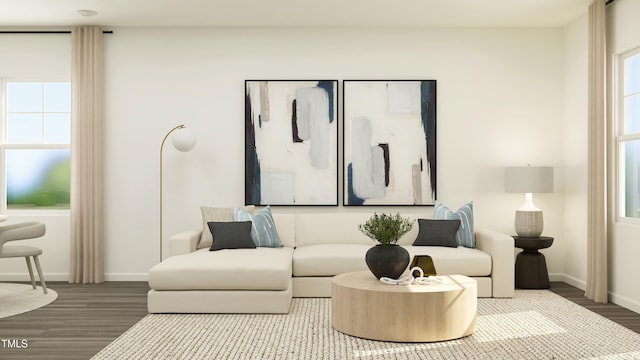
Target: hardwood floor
83, 320
613, 312
86, 318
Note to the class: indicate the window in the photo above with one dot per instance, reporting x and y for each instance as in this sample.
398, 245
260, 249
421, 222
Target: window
35, 144
628, 134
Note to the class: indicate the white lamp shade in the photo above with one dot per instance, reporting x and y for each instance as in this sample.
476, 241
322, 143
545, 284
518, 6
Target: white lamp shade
183, 139
529, 179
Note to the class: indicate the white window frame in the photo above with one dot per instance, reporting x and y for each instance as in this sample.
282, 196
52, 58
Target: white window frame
6, 146
620, 137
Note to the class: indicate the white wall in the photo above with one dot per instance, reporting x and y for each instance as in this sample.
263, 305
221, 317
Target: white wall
500, 103
575, 138
500, 100
38, 57
624, 246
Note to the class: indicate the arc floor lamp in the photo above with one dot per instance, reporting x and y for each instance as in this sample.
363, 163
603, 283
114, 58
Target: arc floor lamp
183, 140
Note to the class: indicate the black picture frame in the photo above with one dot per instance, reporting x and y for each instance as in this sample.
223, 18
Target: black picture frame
291, 142
389, 142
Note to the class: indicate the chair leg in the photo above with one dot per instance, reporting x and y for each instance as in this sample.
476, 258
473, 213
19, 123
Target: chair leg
44, 284
33, 280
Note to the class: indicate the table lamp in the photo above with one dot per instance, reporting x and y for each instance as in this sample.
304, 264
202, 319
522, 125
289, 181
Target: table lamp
529, 180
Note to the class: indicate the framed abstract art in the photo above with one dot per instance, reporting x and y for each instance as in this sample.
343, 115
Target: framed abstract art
389, 141
291, 142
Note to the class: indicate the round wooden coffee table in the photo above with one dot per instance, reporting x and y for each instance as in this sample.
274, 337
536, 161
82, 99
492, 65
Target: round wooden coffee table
363, 306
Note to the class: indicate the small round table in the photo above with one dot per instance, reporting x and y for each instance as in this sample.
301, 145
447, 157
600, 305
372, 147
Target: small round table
531, 266
363, 306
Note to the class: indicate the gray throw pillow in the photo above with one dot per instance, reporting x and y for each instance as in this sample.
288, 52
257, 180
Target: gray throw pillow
437, 233
218, 214
231, 235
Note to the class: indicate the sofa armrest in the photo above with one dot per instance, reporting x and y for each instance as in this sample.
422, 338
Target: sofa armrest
500, 247
184, 242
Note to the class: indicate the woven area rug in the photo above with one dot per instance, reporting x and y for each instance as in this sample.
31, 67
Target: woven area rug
20, 298
536, 324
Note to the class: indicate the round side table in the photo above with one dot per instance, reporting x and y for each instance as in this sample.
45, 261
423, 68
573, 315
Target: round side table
531, 266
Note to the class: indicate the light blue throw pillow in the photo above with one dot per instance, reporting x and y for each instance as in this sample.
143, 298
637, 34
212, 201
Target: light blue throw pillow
263, 228
465, 235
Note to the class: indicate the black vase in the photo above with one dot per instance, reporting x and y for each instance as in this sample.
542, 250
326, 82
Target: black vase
387, 260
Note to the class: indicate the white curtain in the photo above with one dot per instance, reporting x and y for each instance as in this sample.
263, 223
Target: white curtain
87, 222
597, 288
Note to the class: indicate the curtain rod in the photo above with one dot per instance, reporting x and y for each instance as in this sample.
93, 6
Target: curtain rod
609, 2
46, 32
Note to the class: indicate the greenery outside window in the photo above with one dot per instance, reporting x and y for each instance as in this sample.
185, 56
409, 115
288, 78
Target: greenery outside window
35, 144
628, 134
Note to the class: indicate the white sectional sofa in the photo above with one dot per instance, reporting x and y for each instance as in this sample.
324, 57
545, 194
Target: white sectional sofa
316, 248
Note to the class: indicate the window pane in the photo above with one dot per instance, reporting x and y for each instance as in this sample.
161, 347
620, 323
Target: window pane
24, 97
632, 114
631, 176
632, 75
38, 178
24, 128
57, 128
57, 97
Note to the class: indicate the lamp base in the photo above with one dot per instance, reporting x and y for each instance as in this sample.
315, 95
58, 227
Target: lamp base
529, 223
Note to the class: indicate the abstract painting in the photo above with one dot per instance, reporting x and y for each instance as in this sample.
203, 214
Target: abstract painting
389, 142
291, 142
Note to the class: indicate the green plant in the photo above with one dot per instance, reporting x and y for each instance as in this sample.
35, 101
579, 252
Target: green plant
385, 228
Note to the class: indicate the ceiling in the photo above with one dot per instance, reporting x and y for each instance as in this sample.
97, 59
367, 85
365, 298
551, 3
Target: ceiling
289, 13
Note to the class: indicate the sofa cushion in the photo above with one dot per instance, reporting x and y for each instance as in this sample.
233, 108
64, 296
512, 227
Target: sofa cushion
313, 229
329, 259
231, 235
437, 233
263, 228
451, 261
286, 225
239, 269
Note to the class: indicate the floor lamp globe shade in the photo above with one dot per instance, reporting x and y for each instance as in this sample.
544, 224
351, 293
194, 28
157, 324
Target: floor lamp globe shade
183, 139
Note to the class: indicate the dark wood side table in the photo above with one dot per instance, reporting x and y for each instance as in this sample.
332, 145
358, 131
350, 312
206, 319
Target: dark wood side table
531, 266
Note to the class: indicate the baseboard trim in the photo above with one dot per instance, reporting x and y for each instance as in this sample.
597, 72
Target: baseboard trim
25, 277
620, 300
127, 277
579, 283
65, 277
625, 302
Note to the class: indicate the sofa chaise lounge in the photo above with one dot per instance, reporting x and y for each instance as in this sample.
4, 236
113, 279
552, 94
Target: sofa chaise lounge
315, 248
